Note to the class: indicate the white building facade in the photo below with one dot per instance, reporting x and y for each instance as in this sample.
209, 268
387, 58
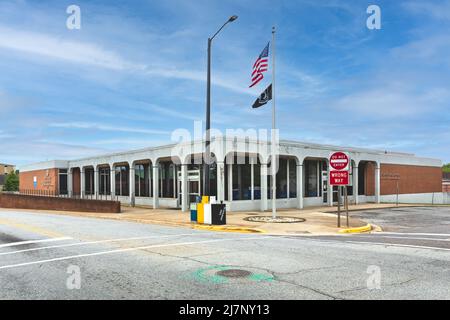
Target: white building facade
171, 177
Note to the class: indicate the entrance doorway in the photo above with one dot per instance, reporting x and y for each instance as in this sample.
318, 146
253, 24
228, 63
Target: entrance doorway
325, 186
336, 193
193, 186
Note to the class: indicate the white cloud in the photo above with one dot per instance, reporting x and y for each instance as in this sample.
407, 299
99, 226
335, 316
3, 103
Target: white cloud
89, 54
102, 127
55, 47
388, 102
438, 10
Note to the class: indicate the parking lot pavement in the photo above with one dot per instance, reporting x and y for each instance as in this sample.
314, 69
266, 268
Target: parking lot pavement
427, 220
412, 227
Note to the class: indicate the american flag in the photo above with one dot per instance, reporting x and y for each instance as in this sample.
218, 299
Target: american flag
261, 65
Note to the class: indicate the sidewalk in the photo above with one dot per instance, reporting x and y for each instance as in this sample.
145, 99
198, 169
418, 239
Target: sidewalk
318, 221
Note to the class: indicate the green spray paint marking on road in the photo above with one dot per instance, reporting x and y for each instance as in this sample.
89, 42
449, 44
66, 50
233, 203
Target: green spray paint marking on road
261, 277
202, 275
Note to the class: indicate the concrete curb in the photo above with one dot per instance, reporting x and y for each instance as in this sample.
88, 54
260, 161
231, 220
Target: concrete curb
404, 205
227, 229
367, 228
376, 228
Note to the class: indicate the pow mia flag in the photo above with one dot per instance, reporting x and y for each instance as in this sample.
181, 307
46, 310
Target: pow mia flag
265, 97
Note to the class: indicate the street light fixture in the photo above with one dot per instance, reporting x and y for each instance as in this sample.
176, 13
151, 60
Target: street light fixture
207, 160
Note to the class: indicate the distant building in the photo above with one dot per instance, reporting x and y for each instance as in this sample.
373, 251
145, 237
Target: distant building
5, 169
446, 182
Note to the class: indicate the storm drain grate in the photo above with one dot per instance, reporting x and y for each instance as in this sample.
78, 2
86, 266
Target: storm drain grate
234, 273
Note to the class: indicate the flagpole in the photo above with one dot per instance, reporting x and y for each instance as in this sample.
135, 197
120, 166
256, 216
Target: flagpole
274, 172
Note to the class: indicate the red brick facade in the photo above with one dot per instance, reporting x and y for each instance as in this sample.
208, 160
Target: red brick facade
47, 180
410, 179
19, 201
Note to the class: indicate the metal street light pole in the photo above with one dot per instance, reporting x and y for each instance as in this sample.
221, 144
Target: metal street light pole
207, 160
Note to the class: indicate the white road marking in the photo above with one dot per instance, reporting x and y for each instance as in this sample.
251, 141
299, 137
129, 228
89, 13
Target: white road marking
98, 242
406, 238
125, 250
20, 243
416, 234
397, 245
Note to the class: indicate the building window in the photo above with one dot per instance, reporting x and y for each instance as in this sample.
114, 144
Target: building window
142, 181
256, 179
241, 180
168, 179
362, 179
89, 181
311, 179
104, 181
62, 183
292, 178
282, 185
122, 180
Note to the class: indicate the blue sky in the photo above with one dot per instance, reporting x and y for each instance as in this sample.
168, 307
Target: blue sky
136, 71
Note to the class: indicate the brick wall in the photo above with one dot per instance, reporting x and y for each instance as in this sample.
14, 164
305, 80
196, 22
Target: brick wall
76, 176
18, 201
411, 179
47, 180
370, 179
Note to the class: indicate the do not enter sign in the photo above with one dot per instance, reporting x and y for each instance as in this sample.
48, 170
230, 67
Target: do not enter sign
339, 161
339, 169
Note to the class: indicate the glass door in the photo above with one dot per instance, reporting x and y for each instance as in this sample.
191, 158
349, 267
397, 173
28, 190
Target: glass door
325, 186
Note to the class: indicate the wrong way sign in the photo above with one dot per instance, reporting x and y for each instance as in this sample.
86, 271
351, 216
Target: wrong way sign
339, 169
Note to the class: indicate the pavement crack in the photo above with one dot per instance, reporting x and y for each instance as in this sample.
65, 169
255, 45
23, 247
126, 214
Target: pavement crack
308, 288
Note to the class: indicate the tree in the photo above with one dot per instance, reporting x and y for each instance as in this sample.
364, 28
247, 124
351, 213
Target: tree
12, 182
446, 168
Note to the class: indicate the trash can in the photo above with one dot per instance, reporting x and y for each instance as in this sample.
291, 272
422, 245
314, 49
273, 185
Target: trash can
218, 214
193, 212
207, 217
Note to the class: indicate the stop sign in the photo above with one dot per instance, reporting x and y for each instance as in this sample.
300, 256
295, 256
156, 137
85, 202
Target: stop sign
339, 161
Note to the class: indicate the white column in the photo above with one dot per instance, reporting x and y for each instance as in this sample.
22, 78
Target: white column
184, 188
112, 178
329, 188
252, 179
356, 184
377, 184
132, 186
96, 183
263, 187
174, 172
155, 187
300, 185
69, 182
220, 181
288, 191
230, 183
82, 183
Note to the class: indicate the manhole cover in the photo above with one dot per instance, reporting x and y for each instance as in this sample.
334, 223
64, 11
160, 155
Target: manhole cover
269, 219
234, 273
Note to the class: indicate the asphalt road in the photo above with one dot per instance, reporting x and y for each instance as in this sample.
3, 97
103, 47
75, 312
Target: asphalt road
47, 256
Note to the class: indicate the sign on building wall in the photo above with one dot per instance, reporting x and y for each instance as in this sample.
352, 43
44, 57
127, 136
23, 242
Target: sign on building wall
339, 169
35, 182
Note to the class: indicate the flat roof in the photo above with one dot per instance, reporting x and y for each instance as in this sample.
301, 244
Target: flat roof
283, 143
301, 144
